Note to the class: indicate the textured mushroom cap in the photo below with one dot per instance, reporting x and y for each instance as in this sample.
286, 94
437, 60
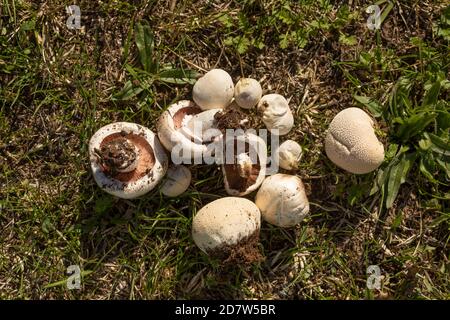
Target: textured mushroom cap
282, 200
247, 93
276, 113
289, 154
178, 179
351, 142
225, 221
257, 153
151, 166
214, 90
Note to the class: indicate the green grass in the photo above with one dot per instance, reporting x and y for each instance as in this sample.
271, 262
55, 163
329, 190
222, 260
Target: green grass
58, 86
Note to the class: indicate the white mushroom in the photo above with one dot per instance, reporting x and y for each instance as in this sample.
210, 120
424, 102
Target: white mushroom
178, 179
244, 165
226, 222
247, 93
276, 113
177, 132
282, 200
127, 159
214, 90
351, 142
289, 154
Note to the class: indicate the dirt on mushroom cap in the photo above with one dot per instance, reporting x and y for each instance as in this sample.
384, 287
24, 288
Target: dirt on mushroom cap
232, 118
245, 252
146, 160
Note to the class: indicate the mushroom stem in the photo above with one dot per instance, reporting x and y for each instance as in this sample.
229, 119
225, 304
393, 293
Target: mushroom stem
244, 165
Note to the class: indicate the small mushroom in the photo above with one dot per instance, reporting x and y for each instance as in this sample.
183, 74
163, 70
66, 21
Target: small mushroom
127, 159
214, 90
178, 179
351, 142
247, 168
247, 93
176, 129
282, 200
228, 227
276, 113
289, 154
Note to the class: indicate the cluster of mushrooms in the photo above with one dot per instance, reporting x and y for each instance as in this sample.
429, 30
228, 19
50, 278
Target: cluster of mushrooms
128, 160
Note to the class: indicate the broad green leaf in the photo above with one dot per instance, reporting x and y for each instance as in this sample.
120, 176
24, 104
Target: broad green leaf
374, 107
443, 116
414, 125
397, 176
391, 151
128, 91
178, 76
438, 144
379, 181
145, 44
427, 167
399, 98
432, 95
444, 165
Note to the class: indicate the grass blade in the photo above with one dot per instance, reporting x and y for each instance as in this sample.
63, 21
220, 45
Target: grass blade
145, 43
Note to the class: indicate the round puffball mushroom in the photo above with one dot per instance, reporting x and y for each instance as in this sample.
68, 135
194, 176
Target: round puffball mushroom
127, 159
282, 200
225, 224
182, 129
178, 179
244, 165
247, 93
289, 154
214, 90
276, 113
351, 142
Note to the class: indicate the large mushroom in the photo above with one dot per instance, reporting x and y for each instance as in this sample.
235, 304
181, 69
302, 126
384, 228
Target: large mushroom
351, 142
247, 93
181, 129
127, 159
244, 163
214, 90
229, 229
277, 115
282, 200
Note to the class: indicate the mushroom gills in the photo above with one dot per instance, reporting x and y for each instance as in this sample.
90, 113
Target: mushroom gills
198, 126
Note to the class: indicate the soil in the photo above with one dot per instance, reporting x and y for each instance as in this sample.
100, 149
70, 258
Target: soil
245, 252
232, 118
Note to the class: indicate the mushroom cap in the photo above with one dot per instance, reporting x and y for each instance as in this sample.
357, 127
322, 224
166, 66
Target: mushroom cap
282, 200
351, 142
172, 134
247, 93
289, 154
151, 164
225, 221
276, 113
256, 152
214, 90
178, 179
